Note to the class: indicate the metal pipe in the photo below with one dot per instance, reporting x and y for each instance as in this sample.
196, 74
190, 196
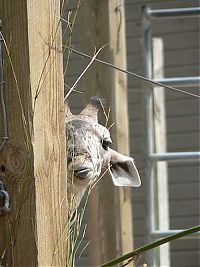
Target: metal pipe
148, 106
178, 156
172, 13
180, 81
161, 234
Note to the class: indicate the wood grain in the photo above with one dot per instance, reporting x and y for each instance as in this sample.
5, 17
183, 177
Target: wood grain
161, 168
34, 233
110, 209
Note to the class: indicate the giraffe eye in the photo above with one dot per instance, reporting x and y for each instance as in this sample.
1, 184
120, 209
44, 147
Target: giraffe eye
106, 143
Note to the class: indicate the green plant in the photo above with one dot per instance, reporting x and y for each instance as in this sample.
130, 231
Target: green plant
131, 256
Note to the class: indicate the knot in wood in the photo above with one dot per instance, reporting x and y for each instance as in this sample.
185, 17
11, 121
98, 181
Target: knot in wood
15, 161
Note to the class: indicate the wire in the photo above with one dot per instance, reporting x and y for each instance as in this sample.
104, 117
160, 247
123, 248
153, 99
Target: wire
5, 122
130, 73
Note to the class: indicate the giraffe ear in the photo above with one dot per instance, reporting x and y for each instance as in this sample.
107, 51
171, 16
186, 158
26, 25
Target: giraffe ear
123, 170
92, 108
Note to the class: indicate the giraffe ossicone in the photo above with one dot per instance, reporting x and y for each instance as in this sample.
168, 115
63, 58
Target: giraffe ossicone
88, 153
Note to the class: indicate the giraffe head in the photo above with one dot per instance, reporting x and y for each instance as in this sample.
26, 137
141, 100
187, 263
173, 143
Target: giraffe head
88, 152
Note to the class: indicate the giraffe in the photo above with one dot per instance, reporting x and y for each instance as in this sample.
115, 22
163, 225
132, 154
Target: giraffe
88, 152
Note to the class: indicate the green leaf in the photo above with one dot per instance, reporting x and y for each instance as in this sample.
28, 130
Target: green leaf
150, 246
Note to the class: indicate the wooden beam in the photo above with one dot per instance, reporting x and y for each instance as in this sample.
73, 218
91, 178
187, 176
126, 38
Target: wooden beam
161, 169
34, 160
110, 208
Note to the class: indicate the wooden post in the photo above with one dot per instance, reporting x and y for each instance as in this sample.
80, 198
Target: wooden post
161, 169
110, 209
33, 162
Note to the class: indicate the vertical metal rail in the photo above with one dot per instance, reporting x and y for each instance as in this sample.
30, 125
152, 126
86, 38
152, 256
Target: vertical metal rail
148, 102
152, 157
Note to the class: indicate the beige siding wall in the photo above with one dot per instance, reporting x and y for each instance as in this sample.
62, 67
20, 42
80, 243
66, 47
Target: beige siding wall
181, 56
180, 38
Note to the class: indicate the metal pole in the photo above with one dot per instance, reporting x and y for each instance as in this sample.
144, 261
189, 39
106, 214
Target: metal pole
172, 13
161, 234
180, 81
178, 156
148, 102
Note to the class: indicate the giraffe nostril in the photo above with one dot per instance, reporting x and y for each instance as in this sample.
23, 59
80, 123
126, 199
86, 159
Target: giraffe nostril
83, 173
